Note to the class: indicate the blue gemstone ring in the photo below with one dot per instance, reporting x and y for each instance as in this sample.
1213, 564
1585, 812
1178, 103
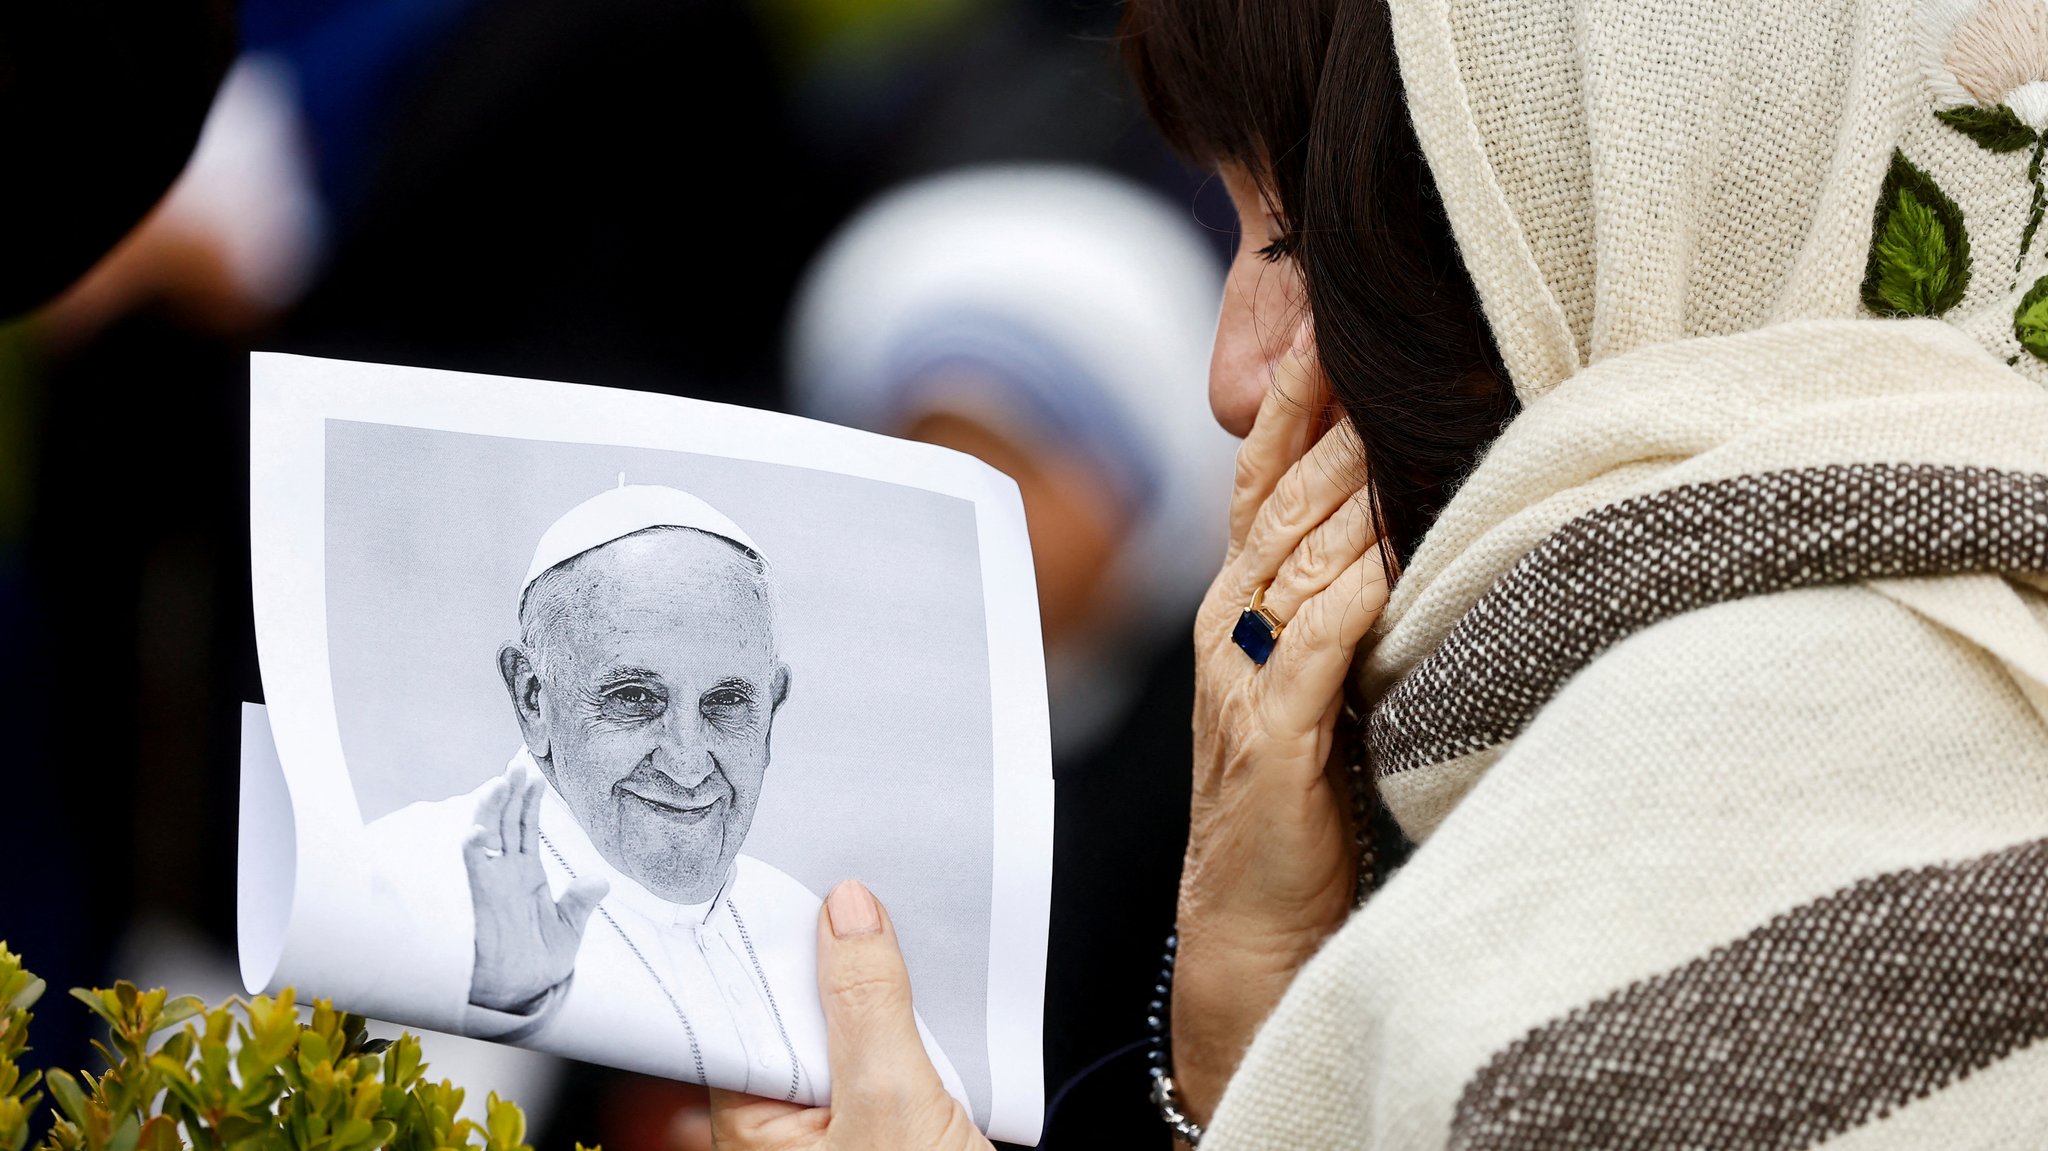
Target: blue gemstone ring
1257, 632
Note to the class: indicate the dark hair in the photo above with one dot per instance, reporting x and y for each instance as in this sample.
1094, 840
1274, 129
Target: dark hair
1233, 80
1305, 93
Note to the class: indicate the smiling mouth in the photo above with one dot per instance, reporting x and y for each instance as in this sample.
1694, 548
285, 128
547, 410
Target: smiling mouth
686, 811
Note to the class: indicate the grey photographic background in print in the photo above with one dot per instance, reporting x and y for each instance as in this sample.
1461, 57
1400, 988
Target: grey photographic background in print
882, 760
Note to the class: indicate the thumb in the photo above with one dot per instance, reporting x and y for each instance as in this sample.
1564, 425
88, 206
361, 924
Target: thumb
876, 1056
581, 898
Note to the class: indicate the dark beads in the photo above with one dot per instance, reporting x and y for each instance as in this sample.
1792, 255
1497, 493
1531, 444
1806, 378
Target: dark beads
1160, 1058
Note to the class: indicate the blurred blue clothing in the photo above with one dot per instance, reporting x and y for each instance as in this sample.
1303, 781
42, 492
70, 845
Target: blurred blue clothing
354, 60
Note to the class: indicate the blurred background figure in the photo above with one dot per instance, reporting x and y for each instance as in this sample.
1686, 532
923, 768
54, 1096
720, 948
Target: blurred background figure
100, 103
608, 191
619, 192
234, 242
1052, 320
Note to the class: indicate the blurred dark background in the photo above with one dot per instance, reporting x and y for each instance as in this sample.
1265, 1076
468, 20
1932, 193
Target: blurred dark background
619, 192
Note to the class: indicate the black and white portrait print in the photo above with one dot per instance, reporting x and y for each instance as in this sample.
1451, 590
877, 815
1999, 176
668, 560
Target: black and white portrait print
614, 718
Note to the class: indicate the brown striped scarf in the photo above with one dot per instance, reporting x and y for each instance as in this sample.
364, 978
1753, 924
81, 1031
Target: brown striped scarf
1717, 700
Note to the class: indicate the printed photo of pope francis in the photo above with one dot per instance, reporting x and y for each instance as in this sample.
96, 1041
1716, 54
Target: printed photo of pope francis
593, 896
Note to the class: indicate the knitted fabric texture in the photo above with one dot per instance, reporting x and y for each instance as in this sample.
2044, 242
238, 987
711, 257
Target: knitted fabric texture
1717, 699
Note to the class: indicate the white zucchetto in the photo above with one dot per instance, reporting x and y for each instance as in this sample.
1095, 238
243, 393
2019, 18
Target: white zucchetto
621, 511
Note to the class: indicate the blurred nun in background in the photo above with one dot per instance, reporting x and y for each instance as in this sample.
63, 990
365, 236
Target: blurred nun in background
1055, 322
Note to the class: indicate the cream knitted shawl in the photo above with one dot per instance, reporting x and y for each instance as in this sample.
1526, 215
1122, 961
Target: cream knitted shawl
1717, 700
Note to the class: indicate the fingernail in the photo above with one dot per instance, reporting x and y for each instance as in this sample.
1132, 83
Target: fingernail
853, 910
1305, 337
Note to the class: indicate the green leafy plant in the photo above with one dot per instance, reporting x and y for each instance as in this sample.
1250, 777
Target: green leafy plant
1997, 128
1919, 252
248, 1075
2030, 319
1994, 128
18, 1095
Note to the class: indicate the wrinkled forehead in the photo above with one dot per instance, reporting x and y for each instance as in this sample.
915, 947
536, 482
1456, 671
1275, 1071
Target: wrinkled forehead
652, 588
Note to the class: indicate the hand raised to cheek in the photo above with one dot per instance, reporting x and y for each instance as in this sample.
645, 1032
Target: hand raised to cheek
1271, 866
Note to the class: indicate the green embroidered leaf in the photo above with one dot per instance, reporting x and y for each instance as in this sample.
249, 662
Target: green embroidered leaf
1919, 252
2030, 319
1995, 129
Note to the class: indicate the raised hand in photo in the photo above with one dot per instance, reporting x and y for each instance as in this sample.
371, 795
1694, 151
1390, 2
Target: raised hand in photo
526, 939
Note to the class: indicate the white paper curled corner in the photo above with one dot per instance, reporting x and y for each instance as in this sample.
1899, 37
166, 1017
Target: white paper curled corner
266, 854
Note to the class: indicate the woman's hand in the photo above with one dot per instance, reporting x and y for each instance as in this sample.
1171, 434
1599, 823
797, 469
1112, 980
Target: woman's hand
886, 1096
1270, 864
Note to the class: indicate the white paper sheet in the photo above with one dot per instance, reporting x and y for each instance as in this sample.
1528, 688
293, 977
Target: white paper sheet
887, 604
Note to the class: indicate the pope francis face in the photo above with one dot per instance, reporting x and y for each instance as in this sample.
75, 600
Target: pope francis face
645, 682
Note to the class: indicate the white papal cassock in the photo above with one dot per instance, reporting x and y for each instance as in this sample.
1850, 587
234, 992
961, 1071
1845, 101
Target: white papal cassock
724, 992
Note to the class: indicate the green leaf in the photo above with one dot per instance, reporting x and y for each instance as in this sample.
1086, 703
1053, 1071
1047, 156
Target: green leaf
13, 1124
353, 1134
504, 1122
184, 1092
405, 1064
161, 1134
273, 1026
1919, 251
25, 997
236, 1128
179, 1010
103, 1004
126, 1136
314, 1049
69, 1097
178, 1048
202, 1139
1994, 129
2030, 319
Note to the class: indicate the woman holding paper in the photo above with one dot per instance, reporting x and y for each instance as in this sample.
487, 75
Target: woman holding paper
1713, 696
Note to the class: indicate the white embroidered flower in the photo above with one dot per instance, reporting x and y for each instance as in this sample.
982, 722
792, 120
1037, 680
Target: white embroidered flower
1986, 67
1990, 53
